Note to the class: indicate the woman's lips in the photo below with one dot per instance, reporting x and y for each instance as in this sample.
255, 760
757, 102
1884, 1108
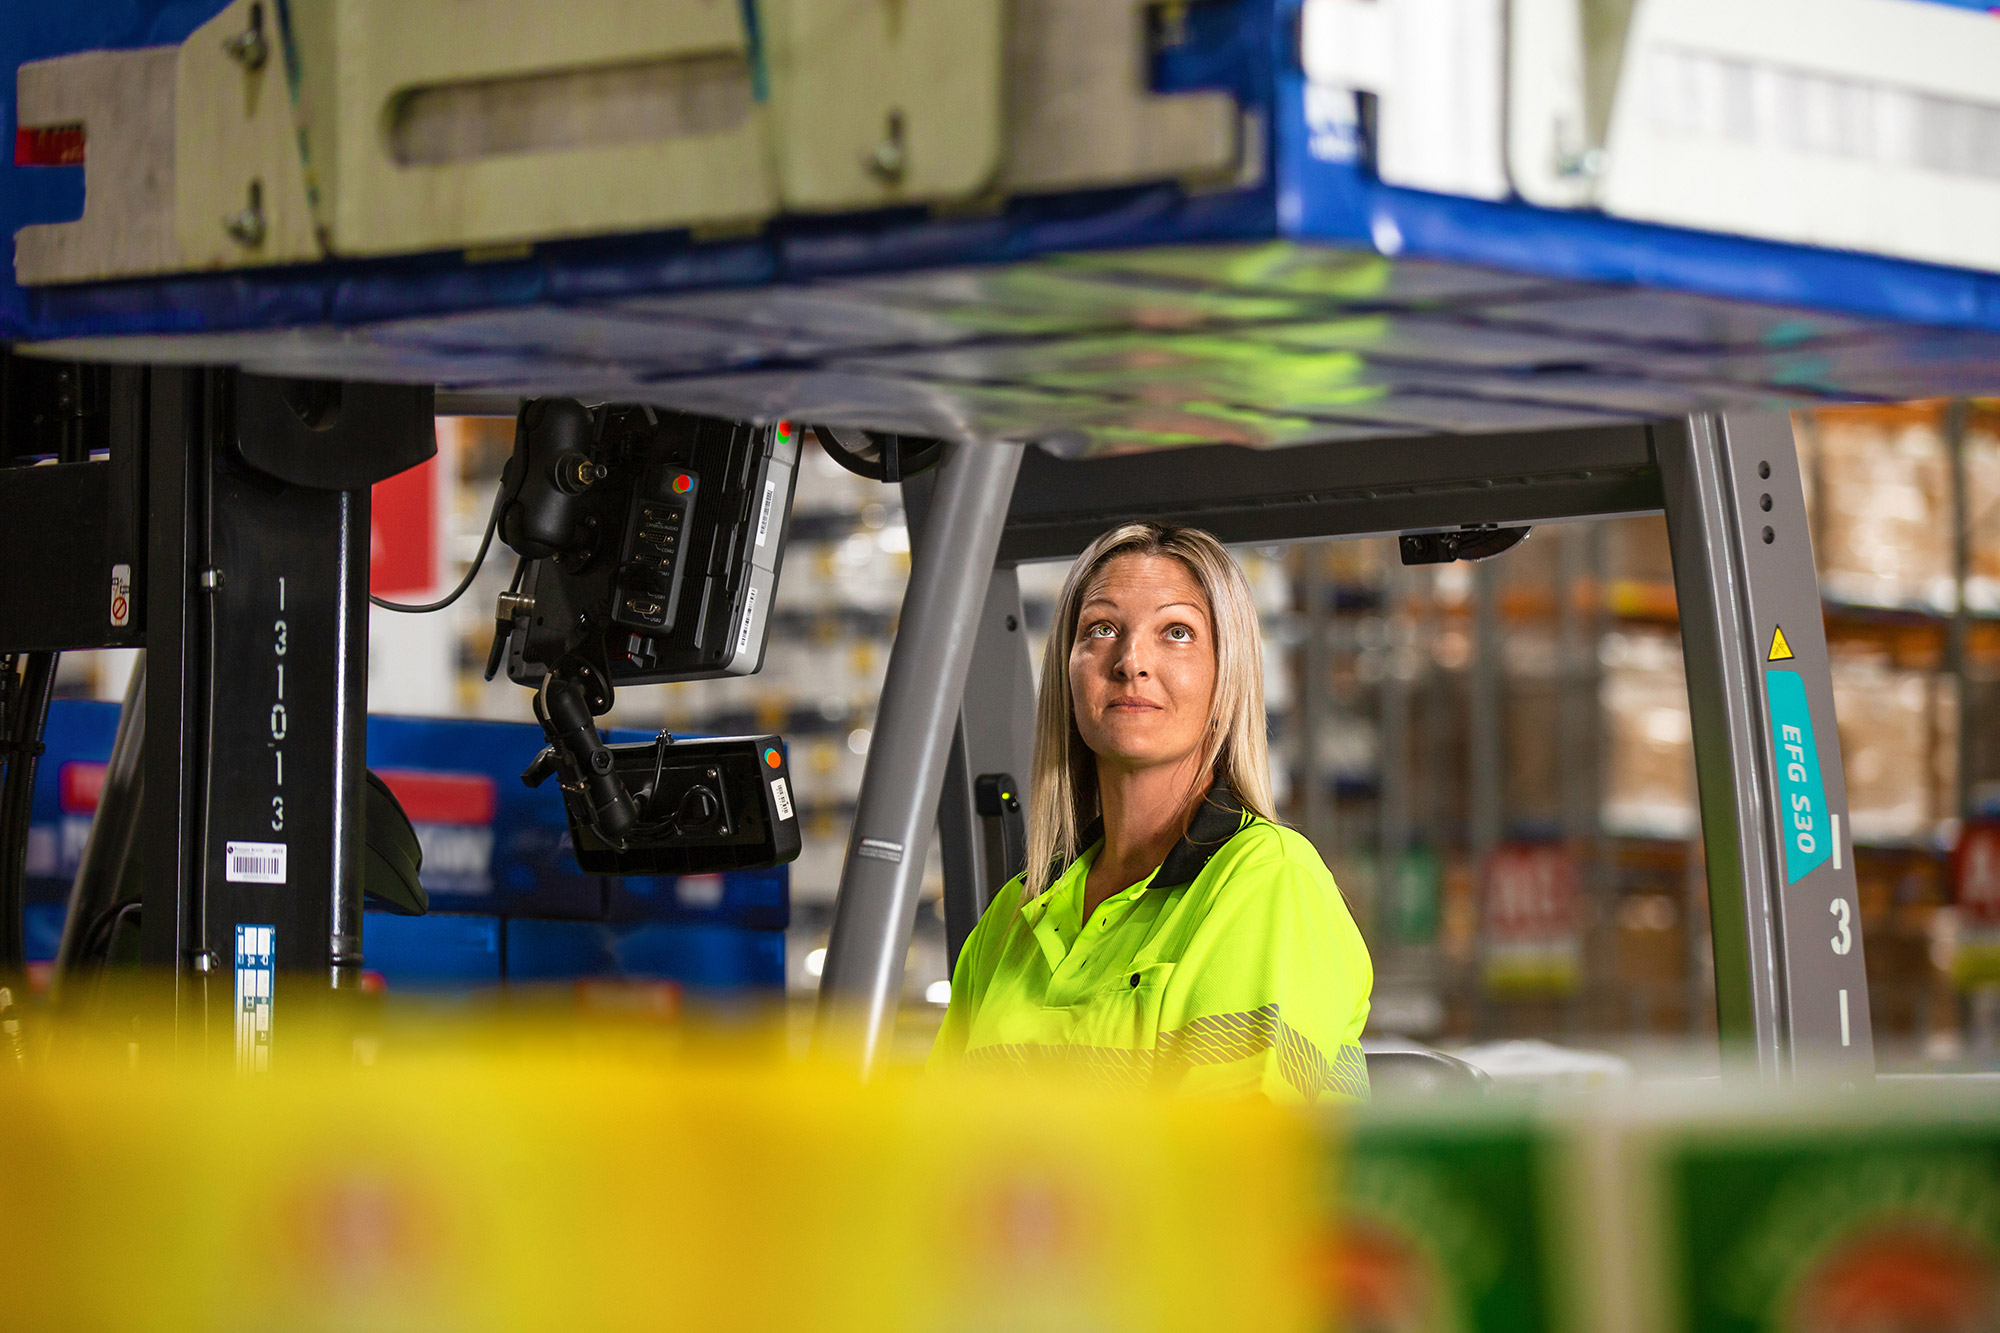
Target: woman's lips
1133, 706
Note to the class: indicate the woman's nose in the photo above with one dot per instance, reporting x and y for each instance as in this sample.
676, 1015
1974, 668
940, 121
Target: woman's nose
1130, 664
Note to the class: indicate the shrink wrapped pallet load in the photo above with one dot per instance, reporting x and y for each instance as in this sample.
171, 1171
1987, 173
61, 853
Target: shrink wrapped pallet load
1353, 565
1887, 729
1649, 789
1878, 494
1982, 508
1532, 723
1882, 511
1639, 568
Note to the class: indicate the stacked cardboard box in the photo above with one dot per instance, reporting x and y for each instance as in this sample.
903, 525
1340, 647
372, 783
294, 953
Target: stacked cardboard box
1649, 788
1882, 506
1898, 740
1690, 1209
1879, 495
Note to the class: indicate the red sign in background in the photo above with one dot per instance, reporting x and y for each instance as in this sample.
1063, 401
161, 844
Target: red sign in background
1976, 869
1531, 894
403, 533
441, 798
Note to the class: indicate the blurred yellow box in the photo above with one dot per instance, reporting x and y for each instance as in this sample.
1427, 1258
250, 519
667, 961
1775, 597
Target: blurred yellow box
491, 1188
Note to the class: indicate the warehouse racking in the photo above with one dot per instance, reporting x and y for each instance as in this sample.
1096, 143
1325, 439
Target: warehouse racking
1541, 699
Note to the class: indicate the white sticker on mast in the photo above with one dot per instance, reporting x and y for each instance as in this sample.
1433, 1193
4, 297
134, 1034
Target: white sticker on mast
256, 971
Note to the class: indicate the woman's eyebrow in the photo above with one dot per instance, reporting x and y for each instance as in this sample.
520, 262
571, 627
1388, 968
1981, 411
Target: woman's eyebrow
1192, 606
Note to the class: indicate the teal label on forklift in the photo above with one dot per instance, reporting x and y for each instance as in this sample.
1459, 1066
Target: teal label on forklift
1802, 814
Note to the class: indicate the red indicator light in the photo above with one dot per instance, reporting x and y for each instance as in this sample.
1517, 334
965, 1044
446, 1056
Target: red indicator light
785, 429
682, 483
771, 757
48, 146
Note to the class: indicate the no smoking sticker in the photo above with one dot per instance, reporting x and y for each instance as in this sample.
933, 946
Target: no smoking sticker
121, 596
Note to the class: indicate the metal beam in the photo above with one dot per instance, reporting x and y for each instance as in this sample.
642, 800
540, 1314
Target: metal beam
1791, 988
994, 735
1344, 489
72, 532
349, 749
963, 851
255, 707
176, 743
103, 869
951, 566
58, 551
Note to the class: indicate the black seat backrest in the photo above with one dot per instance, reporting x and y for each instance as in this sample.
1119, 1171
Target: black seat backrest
1417, 1072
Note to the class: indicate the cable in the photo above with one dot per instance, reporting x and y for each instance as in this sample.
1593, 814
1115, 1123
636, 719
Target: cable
672, 826
492, 525
22, 745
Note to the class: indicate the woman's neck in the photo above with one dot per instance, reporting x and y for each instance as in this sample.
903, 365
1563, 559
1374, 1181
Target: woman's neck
1146, 810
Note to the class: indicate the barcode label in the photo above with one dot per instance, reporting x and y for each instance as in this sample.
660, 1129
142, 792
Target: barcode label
254, 863
764, 515
782, 796
749, 614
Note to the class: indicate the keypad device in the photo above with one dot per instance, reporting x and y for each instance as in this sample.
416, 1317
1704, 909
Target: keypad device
649, 573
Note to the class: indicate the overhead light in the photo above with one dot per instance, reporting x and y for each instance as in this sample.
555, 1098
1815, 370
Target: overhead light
938, 992
815, 962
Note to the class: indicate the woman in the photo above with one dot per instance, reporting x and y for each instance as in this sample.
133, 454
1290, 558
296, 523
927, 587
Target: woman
1167, 931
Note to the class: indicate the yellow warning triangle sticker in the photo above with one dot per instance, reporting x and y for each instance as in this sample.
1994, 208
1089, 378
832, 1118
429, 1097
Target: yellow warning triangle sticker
1780, 650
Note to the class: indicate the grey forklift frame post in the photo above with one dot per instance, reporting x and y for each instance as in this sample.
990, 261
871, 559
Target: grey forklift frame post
1790, 980
994, 738
1791, 985
350, 742
953, 553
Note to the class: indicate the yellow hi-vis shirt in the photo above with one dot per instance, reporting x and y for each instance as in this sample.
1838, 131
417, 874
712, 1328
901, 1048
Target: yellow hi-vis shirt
1233, 968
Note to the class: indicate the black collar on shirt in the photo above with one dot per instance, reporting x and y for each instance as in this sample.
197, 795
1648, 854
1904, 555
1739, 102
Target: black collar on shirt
1216, 820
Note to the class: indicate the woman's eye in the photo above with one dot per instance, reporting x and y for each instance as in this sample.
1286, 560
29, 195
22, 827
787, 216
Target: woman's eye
1180, 633
1101, 630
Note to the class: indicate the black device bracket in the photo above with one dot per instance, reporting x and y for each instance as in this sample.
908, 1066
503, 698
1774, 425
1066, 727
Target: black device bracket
1473, 542
650, 546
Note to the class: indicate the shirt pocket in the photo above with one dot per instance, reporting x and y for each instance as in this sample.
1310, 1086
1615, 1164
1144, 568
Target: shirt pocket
1124, 1013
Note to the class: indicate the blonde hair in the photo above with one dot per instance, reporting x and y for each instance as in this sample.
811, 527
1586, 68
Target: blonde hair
1063, 796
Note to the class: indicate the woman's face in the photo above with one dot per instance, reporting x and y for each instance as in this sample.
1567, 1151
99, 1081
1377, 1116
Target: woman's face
1142, 670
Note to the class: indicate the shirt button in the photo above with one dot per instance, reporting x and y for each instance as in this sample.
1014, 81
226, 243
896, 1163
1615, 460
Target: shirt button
1135, 980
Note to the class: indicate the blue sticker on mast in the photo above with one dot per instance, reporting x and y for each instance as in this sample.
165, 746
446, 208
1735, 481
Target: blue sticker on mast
1802, 814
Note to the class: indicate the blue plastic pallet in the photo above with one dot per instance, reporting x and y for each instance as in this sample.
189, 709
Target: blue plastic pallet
1316, 304
507, 899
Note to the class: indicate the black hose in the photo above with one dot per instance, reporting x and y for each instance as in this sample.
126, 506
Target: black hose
21, 741
425, 608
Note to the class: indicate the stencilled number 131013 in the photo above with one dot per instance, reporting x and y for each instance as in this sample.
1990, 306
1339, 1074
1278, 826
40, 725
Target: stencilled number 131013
279, 642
